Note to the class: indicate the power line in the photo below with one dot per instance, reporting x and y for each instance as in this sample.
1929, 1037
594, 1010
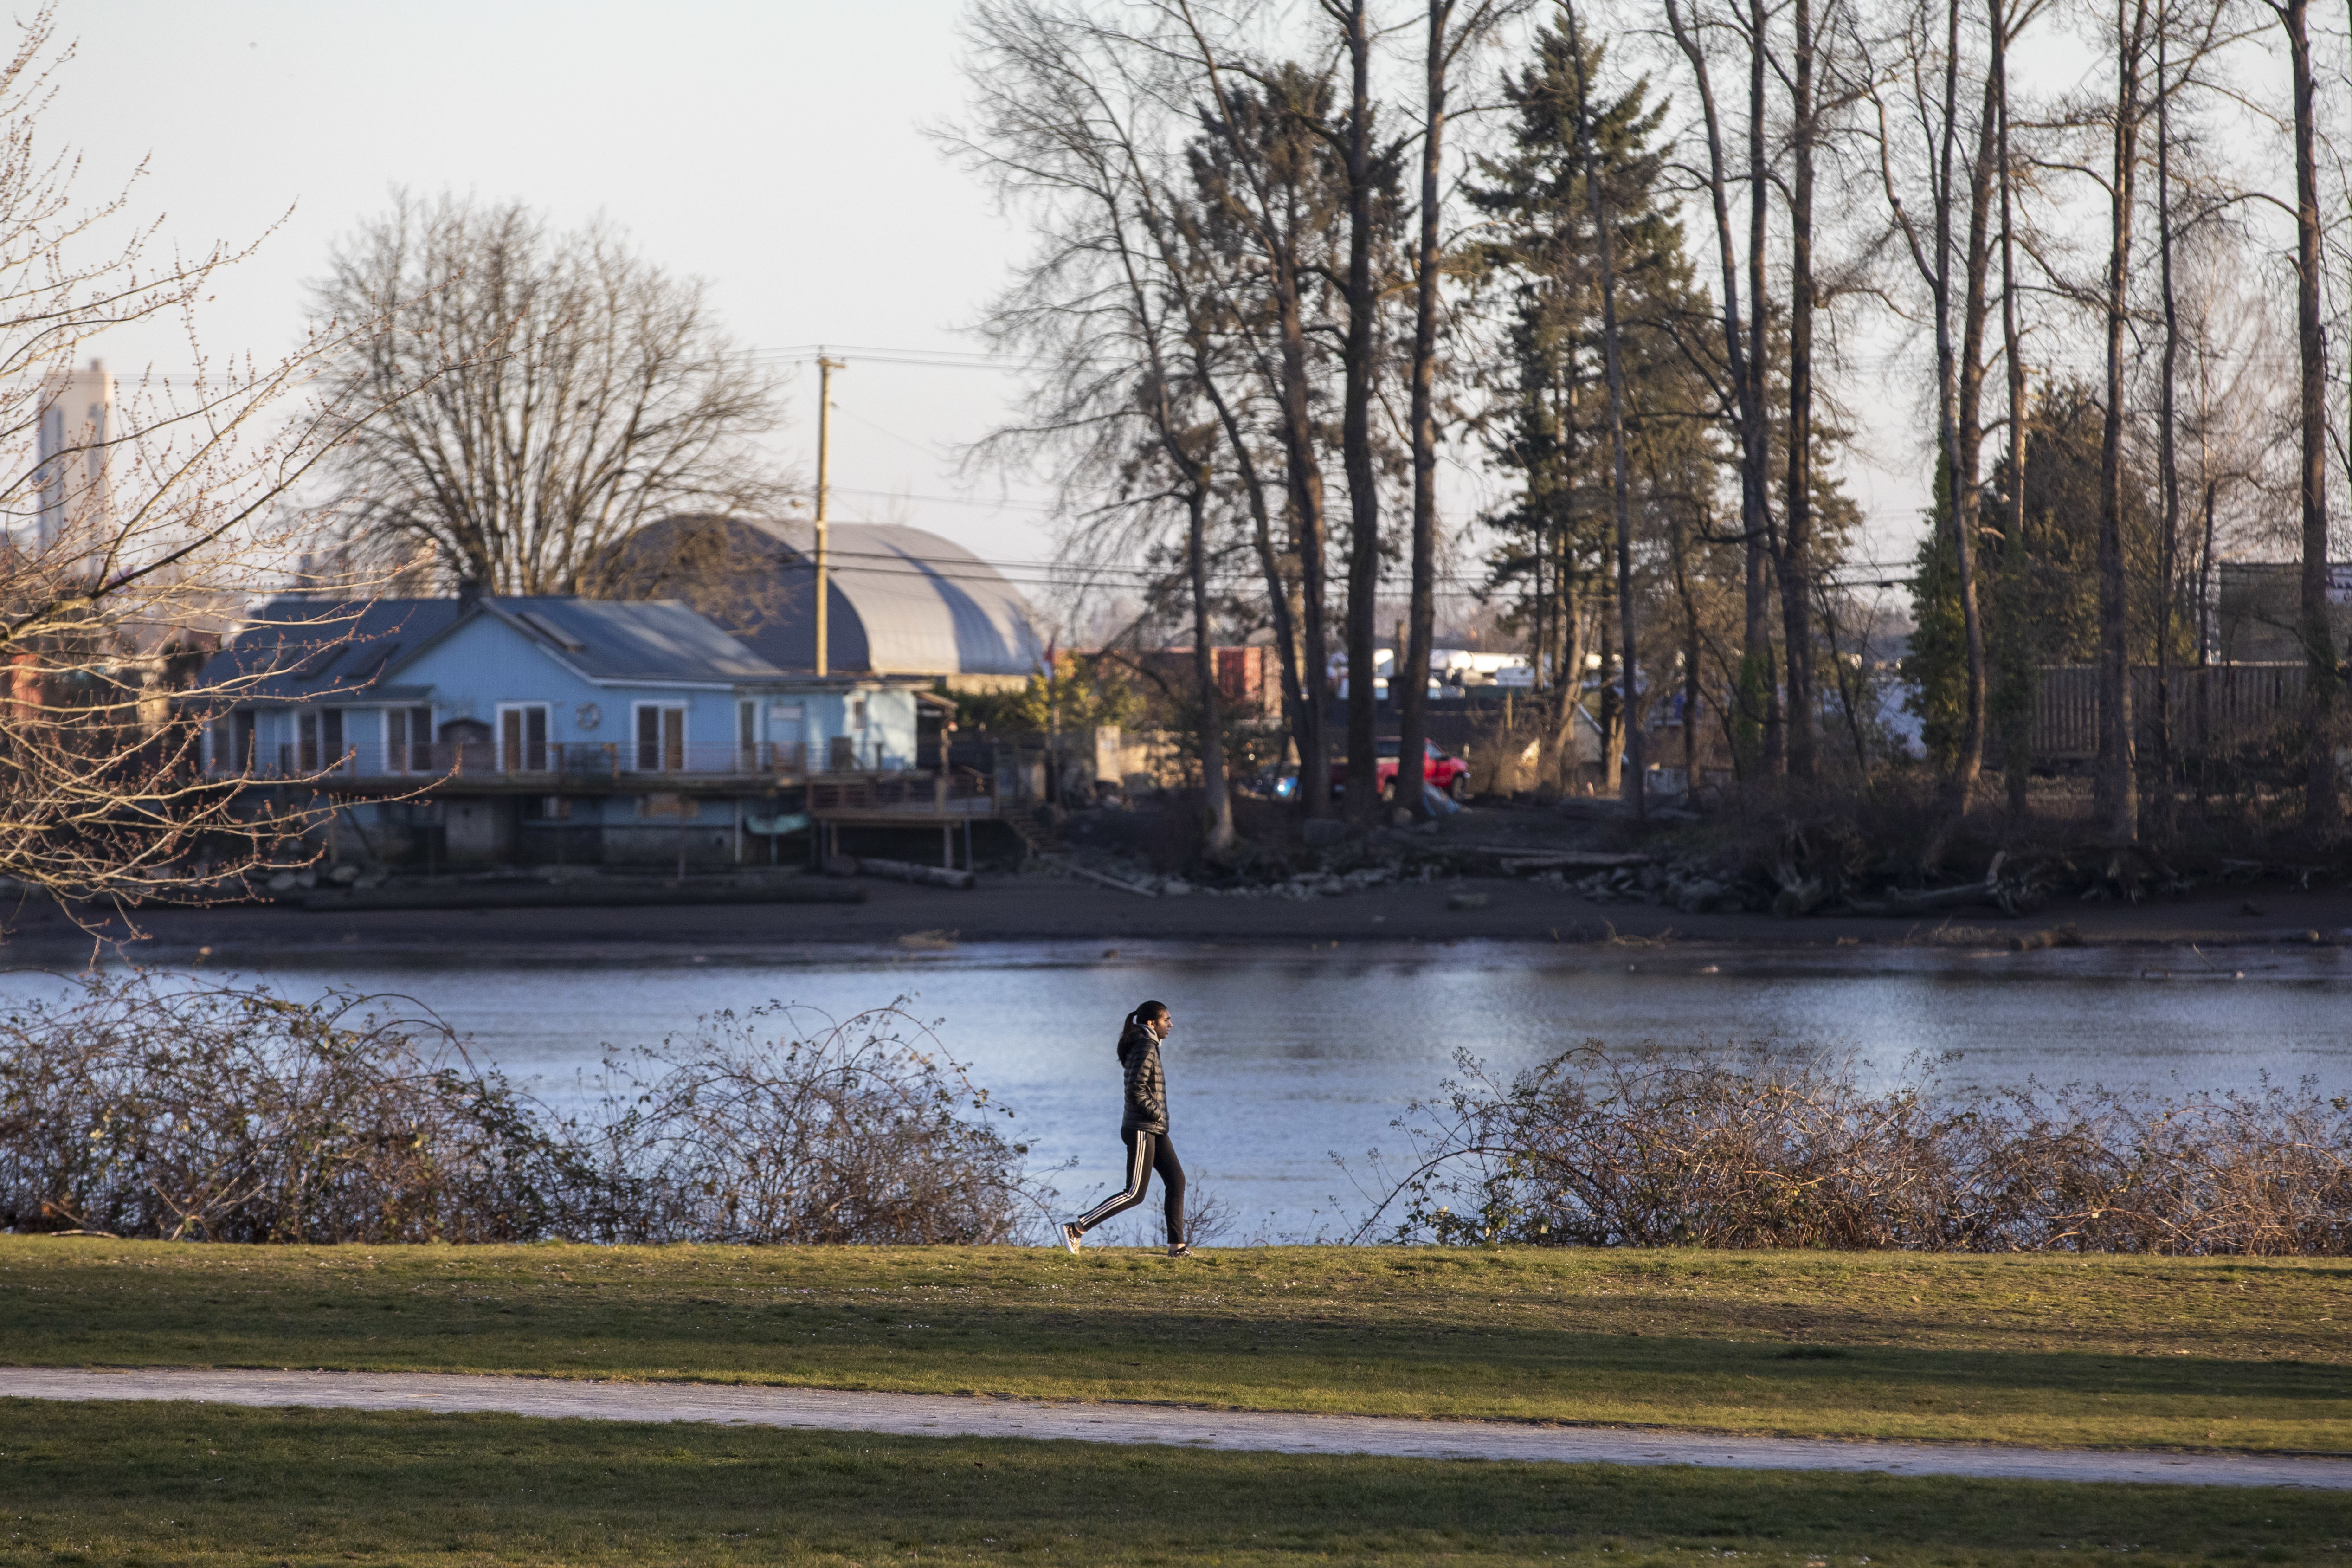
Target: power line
943, 500
936, 358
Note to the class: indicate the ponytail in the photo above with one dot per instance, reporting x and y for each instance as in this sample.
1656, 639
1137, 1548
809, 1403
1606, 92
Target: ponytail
1134, 1031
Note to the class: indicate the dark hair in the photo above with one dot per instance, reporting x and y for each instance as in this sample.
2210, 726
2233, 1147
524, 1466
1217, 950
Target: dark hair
1131, 1031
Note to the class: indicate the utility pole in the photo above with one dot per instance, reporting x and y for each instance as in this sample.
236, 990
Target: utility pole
824, 369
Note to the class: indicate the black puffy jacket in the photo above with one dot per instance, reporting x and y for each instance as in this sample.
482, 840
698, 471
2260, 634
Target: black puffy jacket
1147, 1085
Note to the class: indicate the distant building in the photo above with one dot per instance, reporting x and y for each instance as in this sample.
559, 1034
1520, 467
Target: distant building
1248, 677
2258, 606
77, 428
902, 601
544, 729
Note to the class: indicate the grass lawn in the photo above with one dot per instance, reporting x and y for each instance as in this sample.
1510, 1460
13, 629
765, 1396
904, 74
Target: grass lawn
185, 1484
2235, 1354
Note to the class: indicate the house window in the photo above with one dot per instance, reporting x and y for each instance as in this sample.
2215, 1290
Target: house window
232, 741
408, 739
319, 740
746, 735
522, 737
661, 738
785, 733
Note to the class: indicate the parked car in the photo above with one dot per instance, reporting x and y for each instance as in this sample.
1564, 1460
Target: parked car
1449, 773
1272, 783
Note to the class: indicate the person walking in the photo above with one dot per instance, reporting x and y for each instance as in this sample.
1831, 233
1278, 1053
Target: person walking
1143, 1128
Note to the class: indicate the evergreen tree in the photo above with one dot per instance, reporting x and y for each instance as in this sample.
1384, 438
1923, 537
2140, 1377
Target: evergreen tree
1554, 535
2040, 591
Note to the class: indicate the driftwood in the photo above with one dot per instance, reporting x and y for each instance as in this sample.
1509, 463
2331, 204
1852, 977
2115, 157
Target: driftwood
913, 871
1108, 880
1992, 893
1514, 859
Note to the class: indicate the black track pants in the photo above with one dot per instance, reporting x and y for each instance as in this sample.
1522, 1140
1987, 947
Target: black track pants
1146, 1152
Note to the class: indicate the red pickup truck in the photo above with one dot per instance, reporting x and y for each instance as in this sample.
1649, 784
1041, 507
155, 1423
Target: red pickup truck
1451, 774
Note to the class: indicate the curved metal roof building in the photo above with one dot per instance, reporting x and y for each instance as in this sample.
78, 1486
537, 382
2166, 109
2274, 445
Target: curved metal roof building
902, 601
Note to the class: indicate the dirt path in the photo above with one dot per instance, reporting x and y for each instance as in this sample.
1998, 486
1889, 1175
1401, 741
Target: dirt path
933, 1416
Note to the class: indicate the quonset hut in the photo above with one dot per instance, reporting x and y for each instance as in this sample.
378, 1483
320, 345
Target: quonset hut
902, 601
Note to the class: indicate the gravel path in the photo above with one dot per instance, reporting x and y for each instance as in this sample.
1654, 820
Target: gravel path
938, 1415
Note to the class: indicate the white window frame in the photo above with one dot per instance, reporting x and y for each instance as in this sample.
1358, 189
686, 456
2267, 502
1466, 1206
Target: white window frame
636, 722
547, 737
322, 758
401, 760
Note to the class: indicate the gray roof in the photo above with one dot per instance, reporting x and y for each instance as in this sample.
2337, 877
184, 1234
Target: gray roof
639, 639
306, 649
902, 601
301, 650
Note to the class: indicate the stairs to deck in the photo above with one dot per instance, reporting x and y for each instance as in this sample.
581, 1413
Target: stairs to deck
1035, 830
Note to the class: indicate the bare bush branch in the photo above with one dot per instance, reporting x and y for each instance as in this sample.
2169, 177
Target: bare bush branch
167, 1106
1687, 1148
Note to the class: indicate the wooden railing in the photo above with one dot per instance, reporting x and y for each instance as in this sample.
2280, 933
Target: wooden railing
962, 794
483, 760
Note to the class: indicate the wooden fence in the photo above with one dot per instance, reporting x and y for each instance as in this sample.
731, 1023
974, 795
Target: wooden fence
2215, 708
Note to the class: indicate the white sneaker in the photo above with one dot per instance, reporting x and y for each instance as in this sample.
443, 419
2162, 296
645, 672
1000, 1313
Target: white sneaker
1070, 1237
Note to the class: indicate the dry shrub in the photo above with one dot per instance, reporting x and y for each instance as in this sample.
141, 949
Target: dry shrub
1687, 1148
779, 1126
165, 1106
161, 1108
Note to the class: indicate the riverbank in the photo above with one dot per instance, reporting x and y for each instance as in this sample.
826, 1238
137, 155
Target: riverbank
1043, 907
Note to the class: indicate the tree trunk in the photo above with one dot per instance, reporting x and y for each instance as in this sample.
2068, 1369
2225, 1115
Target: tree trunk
1613, 705
1969, 414
1685, 590
1310, 540
1636, 774
2116, 796
2321, 807
1747, 377
1216, 802
2168, 450
1796, 543
1278, 589
1568, 699
1410, 683
1967, 435
1356, 419
1756, 642
2017, 759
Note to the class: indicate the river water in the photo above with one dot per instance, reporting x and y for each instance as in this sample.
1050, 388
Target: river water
1280, 1061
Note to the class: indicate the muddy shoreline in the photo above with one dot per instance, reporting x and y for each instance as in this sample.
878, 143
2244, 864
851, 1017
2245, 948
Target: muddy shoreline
1009, 908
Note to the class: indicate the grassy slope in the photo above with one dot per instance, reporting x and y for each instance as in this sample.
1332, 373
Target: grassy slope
2233, 1354
208, 1486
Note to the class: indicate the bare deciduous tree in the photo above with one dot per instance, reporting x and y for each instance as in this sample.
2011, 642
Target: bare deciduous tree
139, 523
2321, 808
1449, 41
2117, 781
1634, 782
577, 392
1755, 692
1112, 305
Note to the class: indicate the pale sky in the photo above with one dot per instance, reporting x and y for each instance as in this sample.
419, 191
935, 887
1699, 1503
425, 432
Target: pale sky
776, 150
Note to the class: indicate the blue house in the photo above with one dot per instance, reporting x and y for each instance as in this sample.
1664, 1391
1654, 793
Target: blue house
560, 730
